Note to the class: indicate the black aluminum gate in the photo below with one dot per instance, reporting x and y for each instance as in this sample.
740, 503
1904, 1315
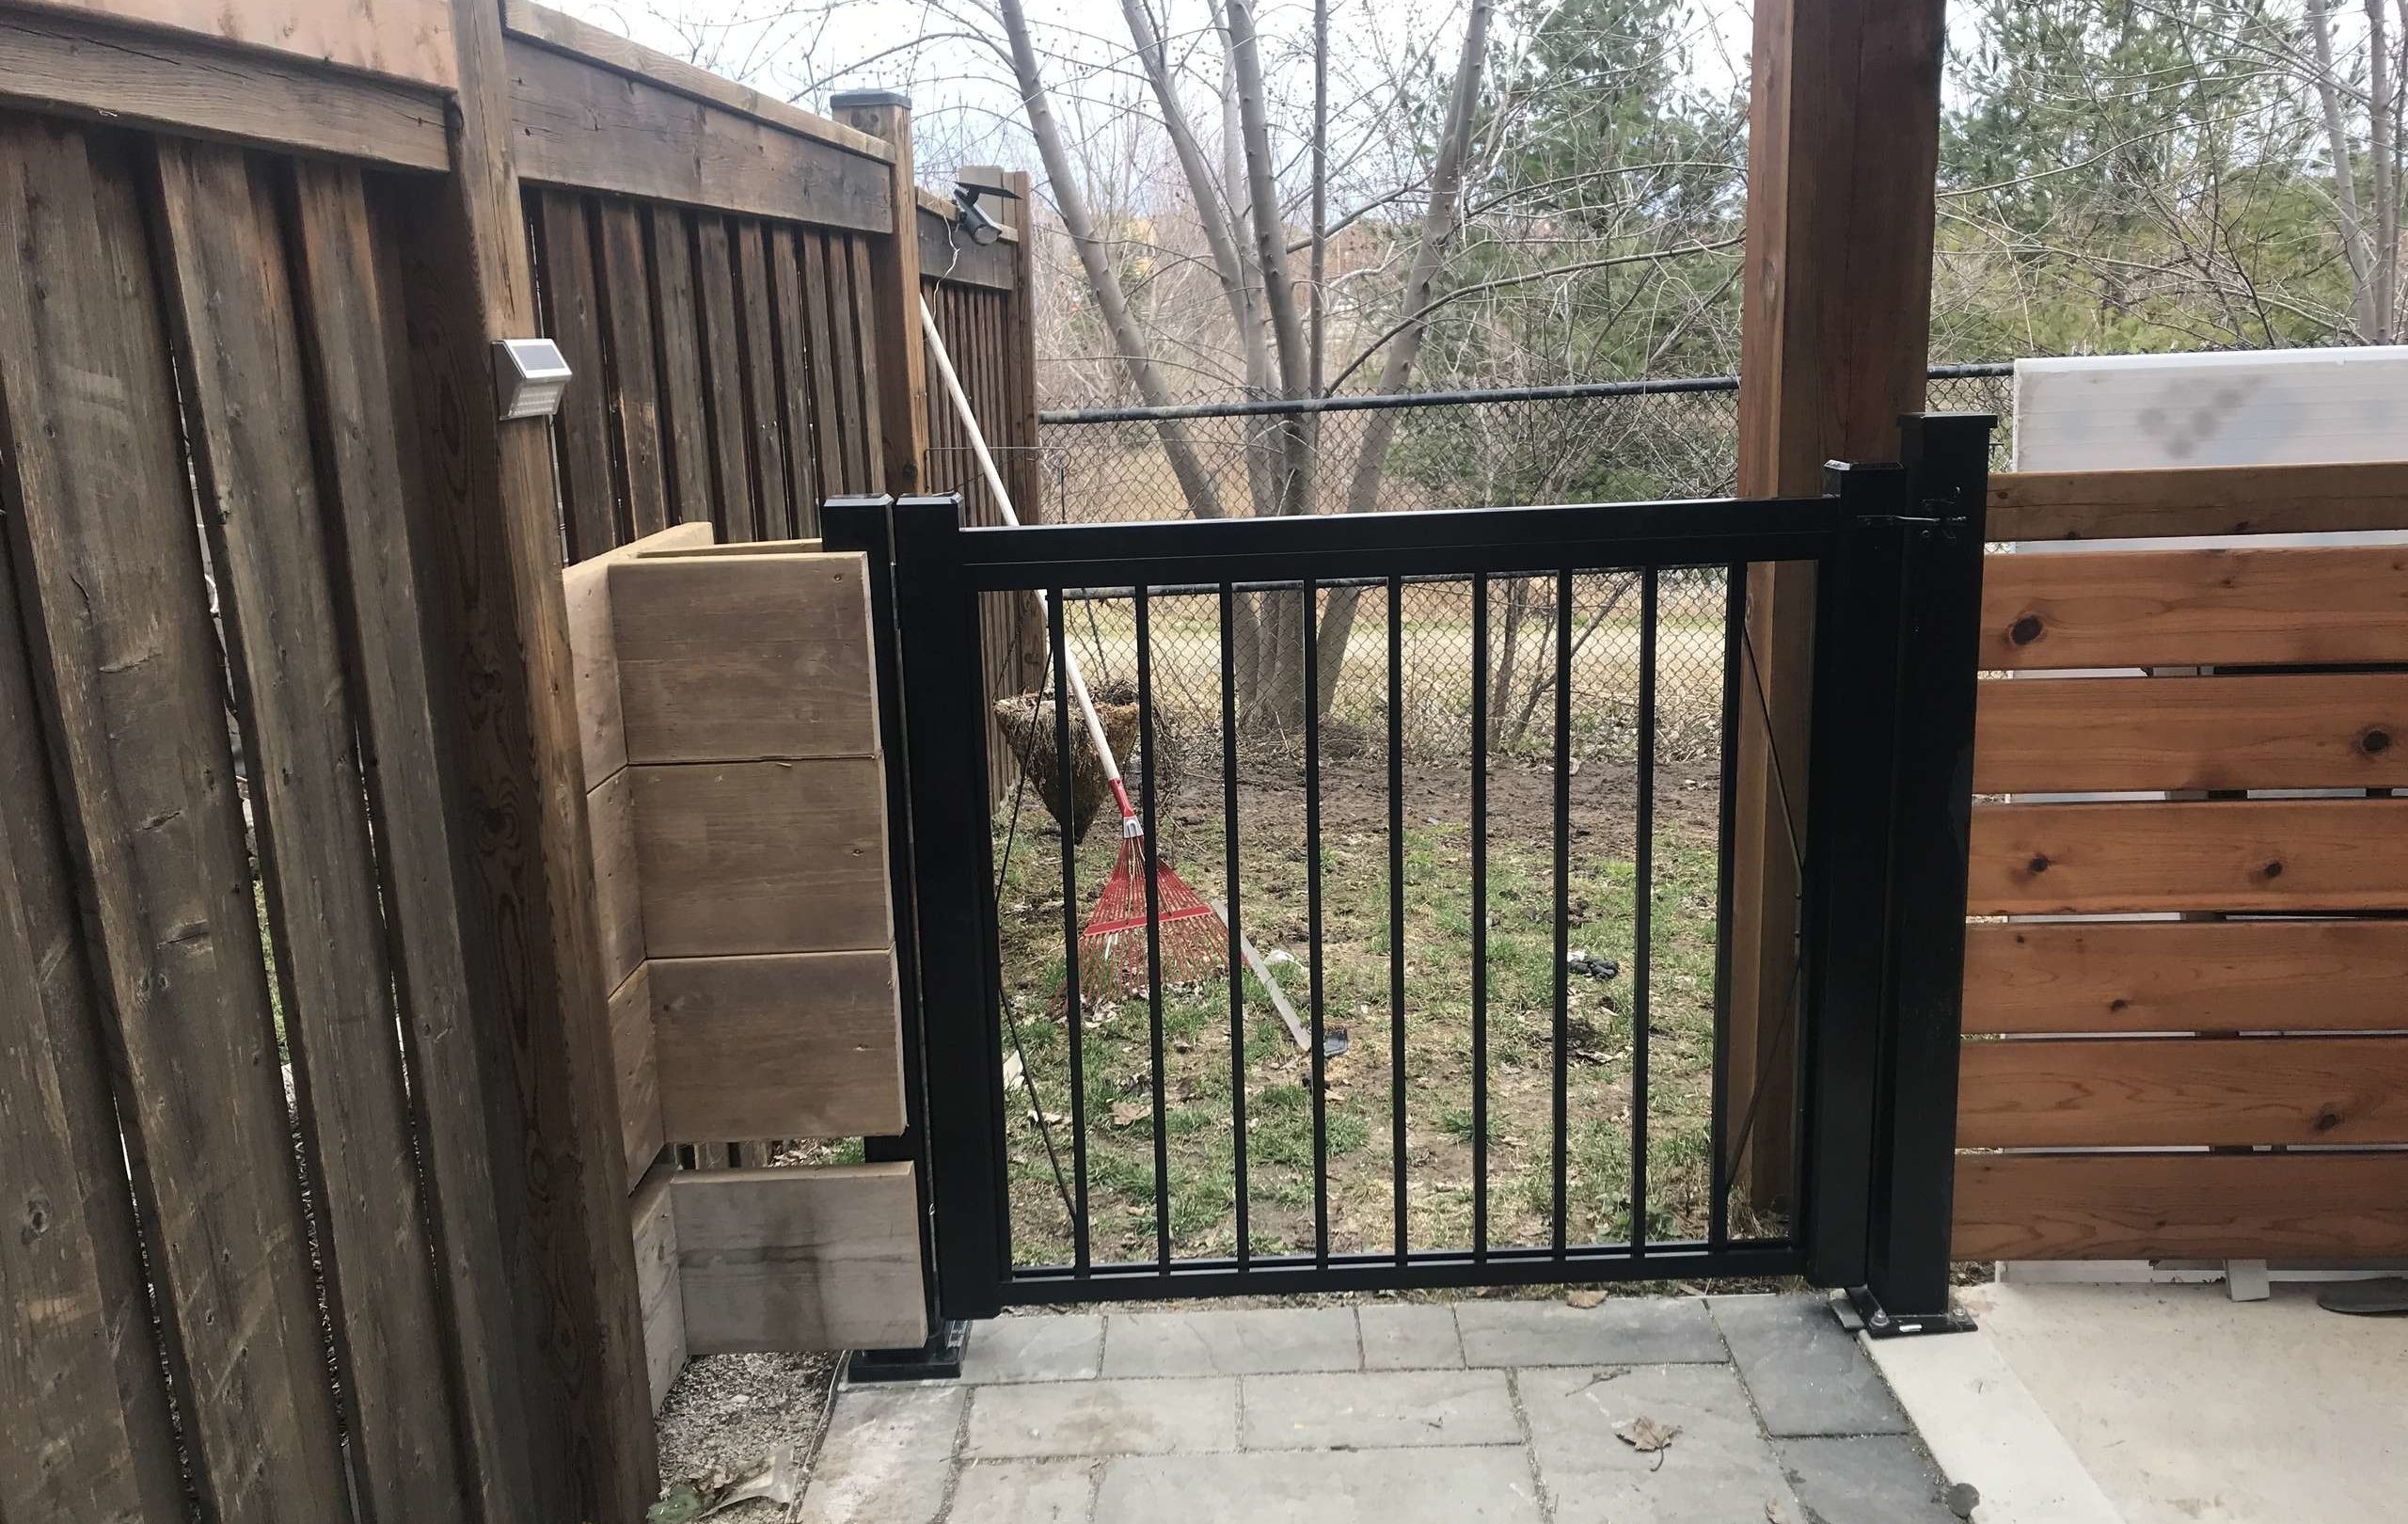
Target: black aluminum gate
1873, 1012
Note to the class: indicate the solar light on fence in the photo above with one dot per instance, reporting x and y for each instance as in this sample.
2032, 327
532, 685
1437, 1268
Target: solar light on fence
529, 375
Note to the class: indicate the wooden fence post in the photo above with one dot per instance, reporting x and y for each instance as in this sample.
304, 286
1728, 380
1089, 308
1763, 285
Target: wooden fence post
507, 709
1843, 123
895, 295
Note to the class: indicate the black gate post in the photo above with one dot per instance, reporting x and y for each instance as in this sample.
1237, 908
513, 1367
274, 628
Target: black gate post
1947, 461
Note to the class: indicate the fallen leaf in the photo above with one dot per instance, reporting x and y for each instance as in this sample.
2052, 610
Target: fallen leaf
779, 1480
1647, 1437
678, 1505
1777, 1511
1585, 1298
1128, 1113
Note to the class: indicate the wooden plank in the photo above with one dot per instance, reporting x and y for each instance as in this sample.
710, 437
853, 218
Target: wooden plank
618, 905
2210, 500
762, 857
950, 256
238, 352
788, 1045
2186, 976
2133, 1206
610, 50
635, 382
723, 357
757, 334
576, 124
572, 319
677, 319
872, 388
631, 1048
511, 721
594, 644
101, 525
657, 1280
729, 658
800, 1258
2340, 730
87, 66
463, 1072
2275, 854
893, 353
408, 39
828, 322
82, 1395
795, 385
2195, 608
2109, 1093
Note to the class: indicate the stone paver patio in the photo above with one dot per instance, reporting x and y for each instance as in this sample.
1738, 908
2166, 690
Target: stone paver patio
1389, 1414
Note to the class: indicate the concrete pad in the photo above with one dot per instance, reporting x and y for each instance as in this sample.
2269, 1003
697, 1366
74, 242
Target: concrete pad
1629, 1330
1718, 1468
2189, 1408
1982, 1426
1102, 1417
1870, 1478
1409, 1336
1024, 1492
1805, 1371
1231, 1341
1035, 1347
886, 1456
1388, 1486
1378, 1409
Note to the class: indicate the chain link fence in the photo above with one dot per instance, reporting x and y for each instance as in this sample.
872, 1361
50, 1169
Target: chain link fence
1616, 442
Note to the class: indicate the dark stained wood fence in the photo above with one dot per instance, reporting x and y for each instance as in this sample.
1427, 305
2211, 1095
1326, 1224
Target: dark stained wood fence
315, 1203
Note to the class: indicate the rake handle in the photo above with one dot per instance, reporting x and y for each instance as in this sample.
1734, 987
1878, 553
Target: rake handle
1130, 825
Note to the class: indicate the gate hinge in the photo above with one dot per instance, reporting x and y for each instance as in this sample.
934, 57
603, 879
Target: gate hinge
1862, 1311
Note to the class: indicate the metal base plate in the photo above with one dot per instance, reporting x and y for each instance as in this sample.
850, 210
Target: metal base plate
939, 1359
1879, 1323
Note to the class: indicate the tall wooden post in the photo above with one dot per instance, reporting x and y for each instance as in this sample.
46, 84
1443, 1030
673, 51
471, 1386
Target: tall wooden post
1844, 149
894, 295
498, 625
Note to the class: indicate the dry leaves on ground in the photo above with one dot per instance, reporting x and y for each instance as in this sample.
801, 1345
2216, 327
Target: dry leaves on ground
1647, 1436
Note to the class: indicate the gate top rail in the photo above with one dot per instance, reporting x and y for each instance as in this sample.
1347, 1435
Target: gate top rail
1439, 542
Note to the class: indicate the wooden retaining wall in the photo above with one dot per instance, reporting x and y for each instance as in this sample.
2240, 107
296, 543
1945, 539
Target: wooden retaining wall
2187, 1014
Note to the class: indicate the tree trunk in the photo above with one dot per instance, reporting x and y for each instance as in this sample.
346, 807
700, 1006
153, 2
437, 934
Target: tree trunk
2345, 180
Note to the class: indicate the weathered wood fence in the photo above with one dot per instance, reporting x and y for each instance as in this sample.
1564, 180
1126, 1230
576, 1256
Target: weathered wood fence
315, 1167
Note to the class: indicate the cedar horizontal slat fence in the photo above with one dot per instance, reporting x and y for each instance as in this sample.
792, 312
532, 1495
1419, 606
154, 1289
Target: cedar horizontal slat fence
2185, 1030
339, 1144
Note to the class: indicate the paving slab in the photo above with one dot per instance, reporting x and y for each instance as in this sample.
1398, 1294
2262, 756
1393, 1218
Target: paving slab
1409, 1336
1024, 1492
1039, 1347
1871, 1479
1629, 1330
1102, 1417
1718, 1468
1231, 1341
1807, 1373
886, 1456
1386, 1486
1378, 1409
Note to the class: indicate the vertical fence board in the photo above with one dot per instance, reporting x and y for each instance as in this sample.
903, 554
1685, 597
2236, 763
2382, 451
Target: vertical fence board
238, 354
633, 377
347, 293
105, 537
685, 430
582, 429
837, 475
865, 366
83, 1400
757, 332
723, 380
835, 287
795, 366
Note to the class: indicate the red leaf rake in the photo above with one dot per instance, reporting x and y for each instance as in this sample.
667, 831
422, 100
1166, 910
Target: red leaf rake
1193, 930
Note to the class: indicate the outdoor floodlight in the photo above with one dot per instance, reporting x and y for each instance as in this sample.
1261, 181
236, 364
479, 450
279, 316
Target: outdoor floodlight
972, 217
529, 375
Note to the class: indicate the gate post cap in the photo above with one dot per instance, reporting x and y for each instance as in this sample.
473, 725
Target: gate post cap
865, 100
